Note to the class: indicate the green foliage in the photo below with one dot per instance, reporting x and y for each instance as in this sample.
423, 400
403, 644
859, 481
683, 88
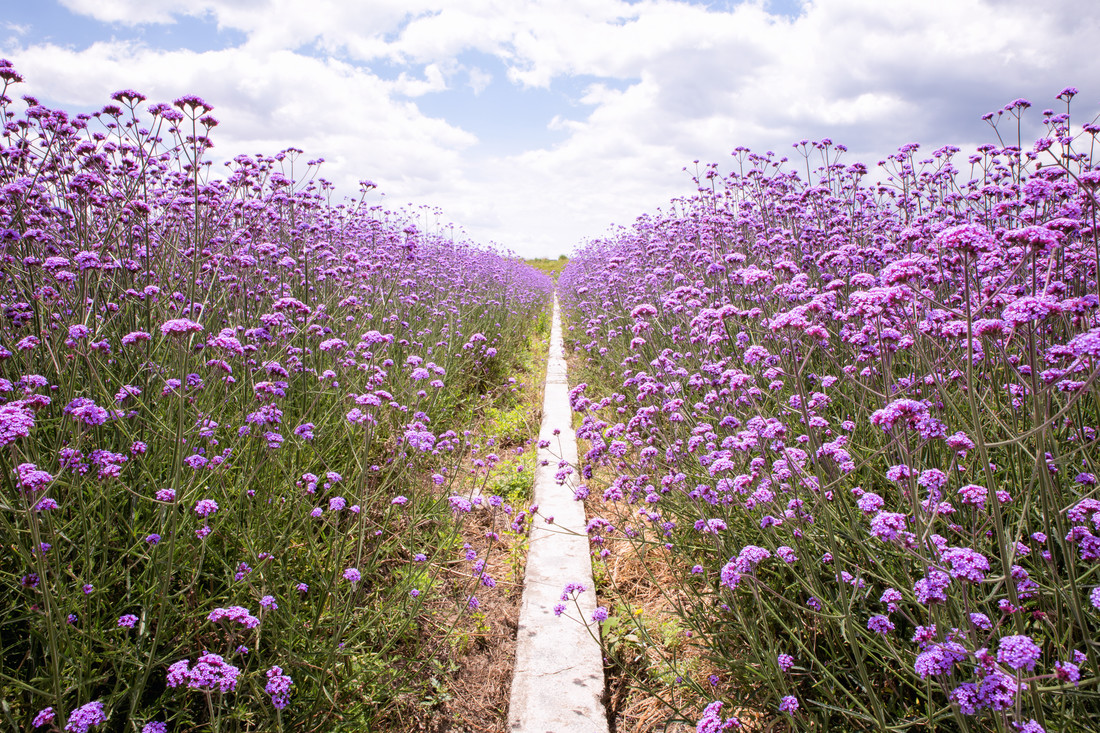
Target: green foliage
550, 267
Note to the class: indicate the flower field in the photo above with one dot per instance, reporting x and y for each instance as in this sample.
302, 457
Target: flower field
233, 420
851, 422
844, 420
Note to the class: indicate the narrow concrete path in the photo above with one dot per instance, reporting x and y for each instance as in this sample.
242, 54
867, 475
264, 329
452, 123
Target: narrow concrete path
557, 685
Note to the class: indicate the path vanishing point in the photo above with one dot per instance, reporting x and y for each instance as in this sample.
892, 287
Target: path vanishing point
557, 685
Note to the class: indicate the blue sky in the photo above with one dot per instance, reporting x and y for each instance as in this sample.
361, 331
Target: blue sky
536, 124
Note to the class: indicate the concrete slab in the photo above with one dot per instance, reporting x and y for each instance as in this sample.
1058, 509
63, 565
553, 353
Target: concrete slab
557, 685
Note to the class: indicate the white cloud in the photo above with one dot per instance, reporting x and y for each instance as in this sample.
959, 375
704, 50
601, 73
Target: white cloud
433, 81
135, 12
267, 103
478, 80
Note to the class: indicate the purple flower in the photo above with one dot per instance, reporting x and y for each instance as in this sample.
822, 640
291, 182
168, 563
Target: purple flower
939, 659
981, 621
712, 722
880, 624
127, 621
789, 704
210, 672
1018, 652
869, 503
966, 563
460, 504
570, 589
966, 697
206, 507
786, 554
154, 726
16, 422
749, 557
86, 716
785, 662
278, 686
87, 412
195, 461
997, 691
1067, 672
973, 495
30, 478
180, 326
1031, 726
268, 602
352, 575
1030, 308
887, 525
235, 613
45, 715
907, 412
930, 588
972, 239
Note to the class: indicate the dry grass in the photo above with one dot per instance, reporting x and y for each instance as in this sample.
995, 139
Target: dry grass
480, 687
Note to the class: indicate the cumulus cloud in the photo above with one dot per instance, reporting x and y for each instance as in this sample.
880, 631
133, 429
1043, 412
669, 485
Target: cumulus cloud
646, 87
330, 108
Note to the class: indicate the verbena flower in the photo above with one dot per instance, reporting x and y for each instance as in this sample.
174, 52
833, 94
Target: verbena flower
85, 717
237, 614
43, 717
1018, 652
278, 687
210, 672
880, 625
180, 327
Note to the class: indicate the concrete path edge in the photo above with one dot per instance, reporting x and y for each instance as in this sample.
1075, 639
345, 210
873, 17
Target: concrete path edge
558, 682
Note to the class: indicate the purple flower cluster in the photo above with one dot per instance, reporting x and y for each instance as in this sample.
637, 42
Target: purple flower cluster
85, 717
180, 339
278, 686
796, 358
236, 614
210, 672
